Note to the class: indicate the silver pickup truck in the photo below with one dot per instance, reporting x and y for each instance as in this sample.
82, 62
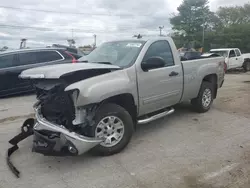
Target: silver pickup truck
97, 103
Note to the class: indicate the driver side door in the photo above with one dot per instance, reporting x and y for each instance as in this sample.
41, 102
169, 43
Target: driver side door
159, 87
233, 61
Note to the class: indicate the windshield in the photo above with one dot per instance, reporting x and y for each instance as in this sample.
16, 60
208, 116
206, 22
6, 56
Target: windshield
223, 53
120, 53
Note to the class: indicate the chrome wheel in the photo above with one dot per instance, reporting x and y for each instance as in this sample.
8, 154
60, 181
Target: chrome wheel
206, 98
111, 129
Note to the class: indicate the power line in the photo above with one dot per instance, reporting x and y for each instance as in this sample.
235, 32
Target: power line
44, 28
76, 13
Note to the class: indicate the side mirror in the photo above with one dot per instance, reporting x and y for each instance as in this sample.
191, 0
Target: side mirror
153, 63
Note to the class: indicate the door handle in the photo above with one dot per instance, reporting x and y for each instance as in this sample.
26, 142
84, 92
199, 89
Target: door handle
236, 58
173, 73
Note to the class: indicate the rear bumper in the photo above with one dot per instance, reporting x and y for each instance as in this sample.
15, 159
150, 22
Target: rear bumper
51, 139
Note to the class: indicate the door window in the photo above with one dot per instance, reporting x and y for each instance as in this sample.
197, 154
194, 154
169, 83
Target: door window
161, 49
237, 52
47, 56
6, 61
26, 58
232, 53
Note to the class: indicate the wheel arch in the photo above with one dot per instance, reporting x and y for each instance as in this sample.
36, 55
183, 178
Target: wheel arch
127, 101
212, 78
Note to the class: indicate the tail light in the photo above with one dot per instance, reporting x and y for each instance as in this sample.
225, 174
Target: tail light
74, 60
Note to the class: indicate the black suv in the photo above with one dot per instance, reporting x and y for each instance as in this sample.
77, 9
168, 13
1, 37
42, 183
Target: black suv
12, 63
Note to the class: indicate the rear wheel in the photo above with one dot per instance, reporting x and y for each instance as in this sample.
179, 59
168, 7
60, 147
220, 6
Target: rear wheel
115, 125
205, 98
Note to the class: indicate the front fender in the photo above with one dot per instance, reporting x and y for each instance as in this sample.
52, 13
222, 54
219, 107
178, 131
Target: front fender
99, 88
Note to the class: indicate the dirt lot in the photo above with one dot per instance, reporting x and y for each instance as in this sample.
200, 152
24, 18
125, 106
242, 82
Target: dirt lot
234, 97
184, 150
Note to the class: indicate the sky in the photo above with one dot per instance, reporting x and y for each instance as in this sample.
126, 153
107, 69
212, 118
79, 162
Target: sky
108, 19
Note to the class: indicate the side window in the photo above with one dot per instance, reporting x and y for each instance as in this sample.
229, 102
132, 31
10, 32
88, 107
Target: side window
46, 56
237, 52
232, 53
161, 49
26, 58
6, 61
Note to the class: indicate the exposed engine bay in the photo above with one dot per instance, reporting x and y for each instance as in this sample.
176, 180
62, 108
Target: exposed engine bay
60, 127
58, 106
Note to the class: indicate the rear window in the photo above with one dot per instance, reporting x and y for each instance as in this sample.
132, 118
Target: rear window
6, 61
72, 50
46, 56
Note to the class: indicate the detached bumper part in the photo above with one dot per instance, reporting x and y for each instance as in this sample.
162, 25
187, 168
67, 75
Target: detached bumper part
52, 139
26, 131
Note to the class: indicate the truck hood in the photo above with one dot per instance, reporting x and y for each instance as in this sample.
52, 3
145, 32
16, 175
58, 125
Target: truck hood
59, 70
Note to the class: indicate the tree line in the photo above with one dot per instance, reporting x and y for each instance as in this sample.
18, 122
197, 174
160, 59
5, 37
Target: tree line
196, 26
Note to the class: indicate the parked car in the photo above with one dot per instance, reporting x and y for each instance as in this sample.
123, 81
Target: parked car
97, 105
190, 55
209, 55
234, 58
13, 62
72, 50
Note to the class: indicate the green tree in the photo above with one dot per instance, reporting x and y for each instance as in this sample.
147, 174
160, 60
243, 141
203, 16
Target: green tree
192, 16
234, 15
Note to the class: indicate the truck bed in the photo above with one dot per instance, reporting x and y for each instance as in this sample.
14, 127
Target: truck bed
194, 71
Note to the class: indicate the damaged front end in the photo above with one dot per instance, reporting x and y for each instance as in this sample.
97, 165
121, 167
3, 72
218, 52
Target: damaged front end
60, 127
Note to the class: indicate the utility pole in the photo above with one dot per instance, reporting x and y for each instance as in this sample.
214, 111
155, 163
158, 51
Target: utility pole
94, 40
161, 27
203, 33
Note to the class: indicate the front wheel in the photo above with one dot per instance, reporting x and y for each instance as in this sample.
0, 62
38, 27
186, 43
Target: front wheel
115, 125
205, 98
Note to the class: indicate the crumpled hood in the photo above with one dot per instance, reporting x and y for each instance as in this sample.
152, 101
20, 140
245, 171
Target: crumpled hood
56, 71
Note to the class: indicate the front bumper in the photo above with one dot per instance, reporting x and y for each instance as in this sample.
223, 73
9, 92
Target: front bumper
51, 139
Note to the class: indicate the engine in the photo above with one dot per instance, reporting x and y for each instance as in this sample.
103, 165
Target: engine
57, 105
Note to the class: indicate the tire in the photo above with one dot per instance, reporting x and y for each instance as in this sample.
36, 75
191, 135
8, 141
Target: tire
198, 103
246, 66
107, 111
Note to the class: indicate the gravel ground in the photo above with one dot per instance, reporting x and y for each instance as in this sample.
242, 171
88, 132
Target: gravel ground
184, 150
234, 97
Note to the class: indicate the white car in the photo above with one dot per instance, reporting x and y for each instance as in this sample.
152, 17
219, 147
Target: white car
234, 58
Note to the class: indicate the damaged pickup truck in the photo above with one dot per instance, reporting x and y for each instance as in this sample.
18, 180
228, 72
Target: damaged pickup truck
96, 104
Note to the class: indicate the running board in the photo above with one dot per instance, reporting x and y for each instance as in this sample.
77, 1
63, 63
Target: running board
155, 117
